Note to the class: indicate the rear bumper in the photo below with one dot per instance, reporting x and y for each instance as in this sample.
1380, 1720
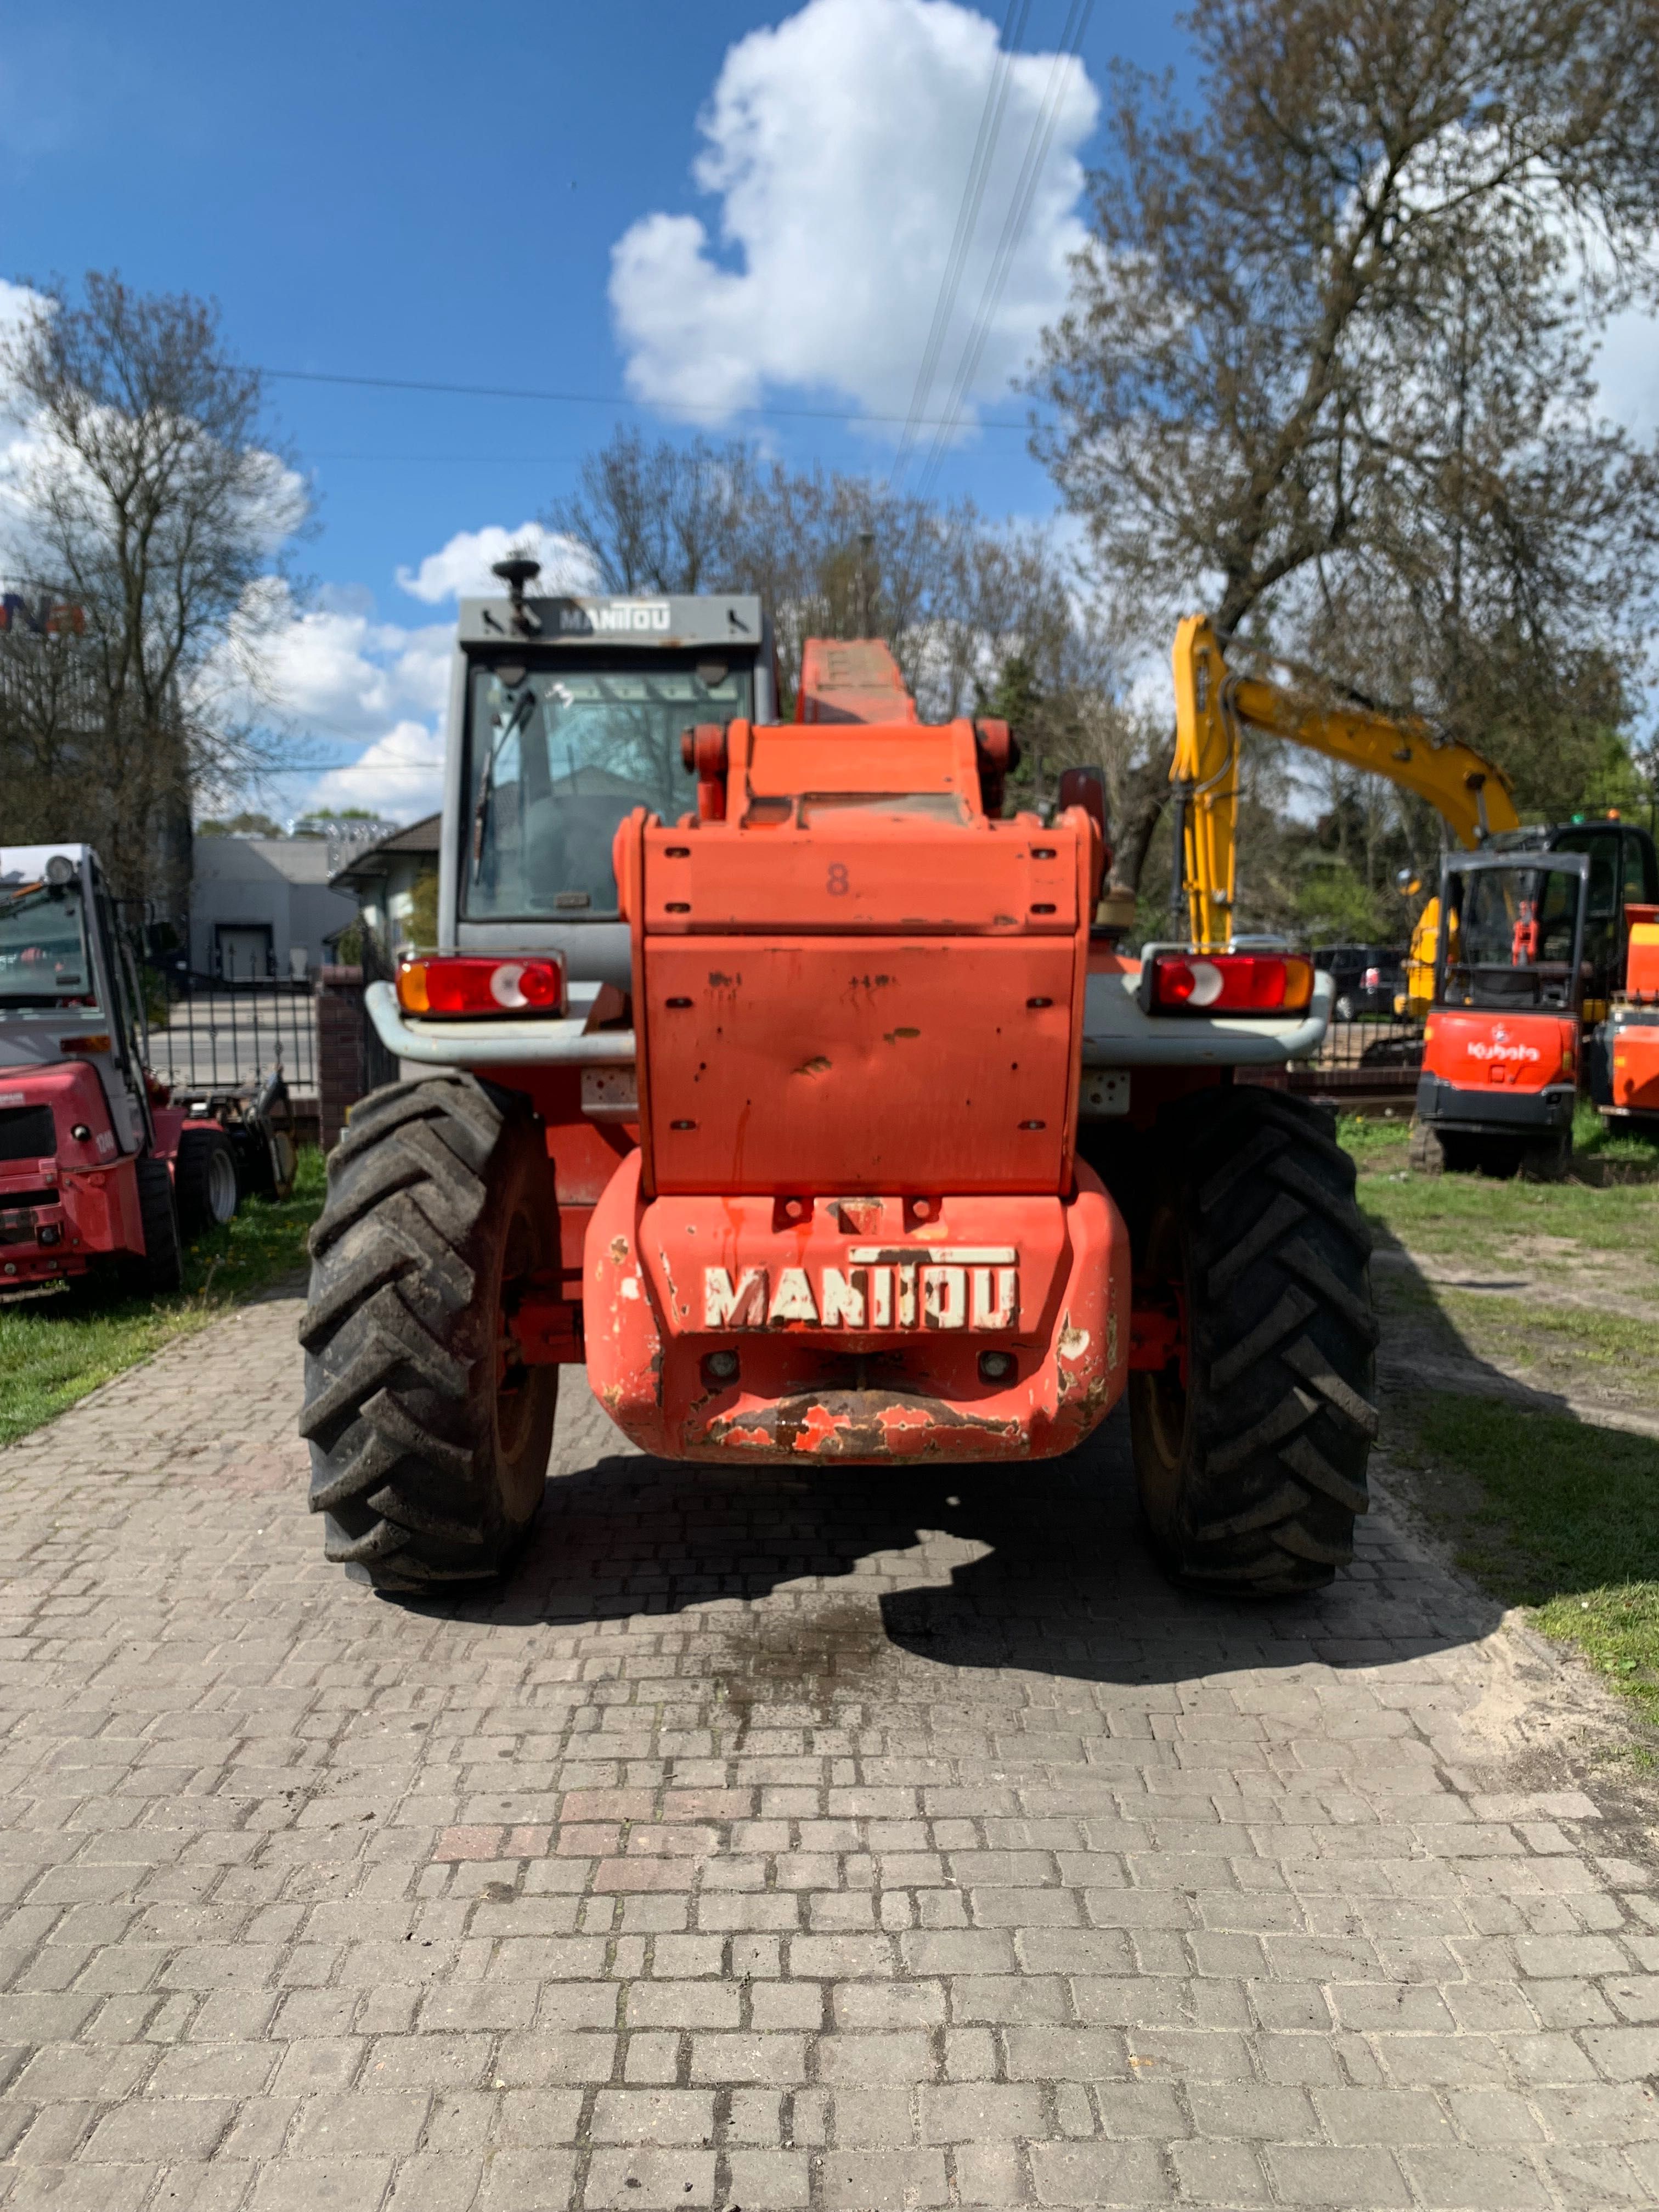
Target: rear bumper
1546, 1112
857, 1343
49, 1233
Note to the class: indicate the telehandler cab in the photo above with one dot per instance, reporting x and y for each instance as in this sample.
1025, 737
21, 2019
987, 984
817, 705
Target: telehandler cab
773, 1073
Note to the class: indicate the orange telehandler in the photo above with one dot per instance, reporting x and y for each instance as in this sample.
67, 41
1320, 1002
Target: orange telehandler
777, 1075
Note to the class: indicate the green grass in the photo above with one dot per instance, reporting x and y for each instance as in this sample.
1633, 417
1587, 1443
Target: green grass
1473, 1217
53, 1351
1593, 1138
1549, 1513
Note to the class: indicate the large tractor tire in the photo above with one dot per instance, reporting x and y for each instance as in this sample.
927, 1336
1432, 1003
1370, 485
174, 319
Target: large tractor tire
205, 1185
429, 1436
160, 1271
1251, 1471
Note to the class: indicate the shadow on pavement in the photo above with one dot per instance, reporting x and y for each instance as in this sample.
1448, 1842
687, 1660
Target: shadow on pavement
1041, 1567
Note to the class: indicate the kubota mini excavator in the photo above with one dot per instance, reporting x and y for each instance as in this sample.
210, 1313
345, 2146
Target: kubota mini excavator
1513, 964
772, 1071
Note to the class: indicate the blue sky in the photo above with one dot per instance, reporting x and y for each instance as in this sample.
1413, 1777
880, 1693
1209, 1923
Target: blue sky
411, 192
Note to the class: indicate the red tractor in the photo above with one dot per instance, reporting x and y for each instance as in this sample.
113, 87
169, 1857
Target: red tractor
99, 1170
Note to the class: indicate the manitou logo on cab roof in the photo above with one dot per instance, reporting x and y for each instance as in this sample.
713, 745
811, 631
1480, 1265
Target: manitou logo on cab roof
969, 1286
629, 615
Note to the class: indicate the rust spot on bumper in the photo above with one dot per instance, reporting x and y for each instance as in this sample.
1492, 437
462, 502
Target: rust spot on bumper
863, 1424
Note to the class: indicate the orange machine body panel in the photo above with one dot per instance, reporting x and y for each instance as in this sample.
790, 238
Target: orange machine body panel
1633, 1032
843, 1064
860, 984
1484, 1051
1642, 957
858, 1013
1634, 1066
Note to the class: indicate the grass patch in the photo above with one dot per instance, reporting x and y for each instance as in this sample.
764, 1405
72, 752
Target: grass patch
1579, 1332
53, 1351
1549, 1513
1371, 1138
1476, 1217
1594, 1138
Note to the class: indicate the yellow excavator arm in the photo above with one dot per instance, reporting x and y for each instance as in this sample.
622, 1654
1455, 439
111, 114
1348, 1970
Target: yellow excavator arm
1213, 708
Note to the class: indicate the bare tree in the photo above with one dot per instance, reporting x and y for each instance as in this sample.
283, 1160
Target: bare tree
832, 554
1327, 346
152, 502
659, 518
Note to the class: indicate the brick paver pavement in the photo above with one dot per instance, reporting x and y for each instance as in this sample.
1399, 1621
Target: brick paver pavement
775, 1838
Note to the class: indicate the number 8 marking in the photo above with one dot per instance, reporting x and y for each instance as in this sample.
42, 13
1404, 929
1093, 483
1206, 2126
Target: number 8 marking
838, 884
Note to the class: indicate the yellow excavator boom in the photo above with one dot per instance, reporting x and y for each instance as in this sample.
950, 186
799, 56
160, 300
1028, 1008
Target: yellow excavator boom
1213, 707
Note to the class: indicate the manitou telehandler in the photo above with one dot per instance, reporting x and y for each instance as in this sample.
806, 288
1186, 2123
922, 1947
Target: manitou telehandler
101, 1171
771, 1070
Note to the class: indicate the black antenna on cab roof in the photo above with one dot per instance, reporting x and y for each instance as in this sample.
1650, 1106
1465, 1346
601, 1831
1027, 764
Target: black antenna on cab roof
515, 572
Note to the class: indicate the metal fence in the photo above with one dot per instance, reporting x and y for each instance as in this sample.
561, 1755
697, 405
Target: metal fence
1374, 1042
211, 1033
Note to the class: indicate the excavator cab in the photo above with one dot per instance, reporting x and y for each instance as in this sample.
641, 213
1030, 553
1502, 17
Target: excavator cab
1501, 1042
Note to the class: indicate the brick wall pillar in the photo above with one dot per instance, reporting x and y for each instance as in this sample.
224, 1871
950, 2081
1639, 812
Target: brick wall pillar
340, 1079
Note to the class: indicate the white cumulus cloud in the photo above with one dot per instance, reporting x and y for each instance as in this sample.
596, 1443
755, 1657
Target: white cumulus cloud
839, 143
333, 676
461, 568
400, 775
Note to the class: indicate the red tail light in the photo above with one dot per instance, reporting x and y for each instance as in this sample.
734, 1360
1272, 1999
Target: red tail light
1230, 983
462, 983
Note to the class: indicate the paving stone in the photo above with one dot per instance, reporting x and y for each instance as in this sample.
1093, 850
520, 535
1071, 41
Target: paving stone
804, 1842
855, 2180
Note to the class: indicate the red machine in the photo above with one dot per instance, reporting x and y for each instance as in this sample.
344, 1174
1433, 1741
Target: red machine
98, 1168
779, 1077
913, 1200
1628, 1041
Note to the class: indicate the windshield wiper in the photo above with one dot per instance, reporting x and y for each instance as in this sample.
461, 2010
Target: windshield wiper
523, 709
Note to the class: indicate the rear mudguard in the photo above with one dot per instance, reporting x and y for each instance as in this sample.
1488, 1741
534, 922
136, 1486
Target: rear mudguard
859, 1331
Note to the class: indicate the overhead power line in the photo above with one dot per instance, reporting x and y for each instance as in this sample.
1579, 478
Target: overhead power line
1013, 228
973, 192
847, 415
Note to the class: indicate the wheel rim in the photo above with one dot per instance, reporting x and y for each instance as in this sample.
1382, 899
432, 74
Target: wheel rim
221, 1185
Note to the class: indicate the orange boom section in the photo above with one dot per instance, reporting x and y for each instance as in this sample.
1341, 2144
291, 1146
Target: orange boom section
856, 1224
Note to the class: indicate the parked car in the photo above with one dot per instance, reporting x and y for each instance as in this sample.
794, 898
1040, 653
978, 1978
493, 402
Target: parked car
1366, 977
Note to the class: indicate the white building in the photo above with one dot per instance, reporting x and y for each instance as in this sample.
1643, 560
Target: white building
262, 906
387, 878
